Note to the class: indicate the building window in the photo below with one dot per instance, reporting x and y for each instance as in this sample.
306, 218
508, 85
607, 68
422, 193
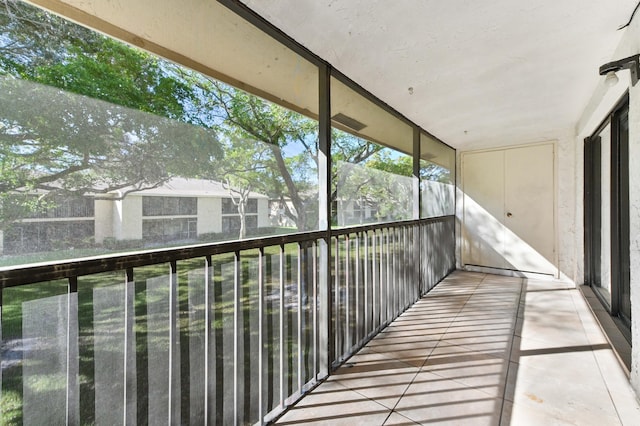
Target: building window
28, 237
229, 207
169, 206
231, 224
58, 208
165, 230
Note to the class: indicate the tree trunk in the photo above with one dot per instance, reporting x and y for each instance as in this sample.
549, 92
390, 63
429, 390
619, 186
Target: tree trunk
301, 216
242, 212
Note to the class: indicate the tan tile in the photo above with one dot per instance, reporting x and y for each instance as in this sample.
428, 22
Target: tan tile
472, 369
449, 350
495, 347
500, 319
554, 329
475, 314
560, 363
433, 399
413, 353
574, 400
491, 310
367, 356
382, 380
390, 342
550, 301
417, 318
610, 367
562, 372
424, 329
616, 381
522, 415
397, 419
332, 403
479, 330
434, 312
492, 322
544, 285
626, 404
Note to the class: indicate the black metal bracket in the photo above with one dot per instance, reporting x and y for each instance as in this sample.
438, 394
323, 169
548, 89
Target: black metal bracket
632, 63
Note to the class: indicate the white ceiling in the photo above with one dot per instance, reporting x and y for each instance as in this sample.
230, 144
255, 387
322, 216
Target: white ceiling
482, 73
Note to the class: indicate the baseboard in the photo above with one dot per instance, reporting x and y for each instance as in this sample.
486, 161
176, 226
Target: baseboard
508, 272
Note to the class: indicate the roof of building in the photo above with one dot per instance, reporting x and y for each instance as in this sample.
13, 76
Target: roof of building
185, 187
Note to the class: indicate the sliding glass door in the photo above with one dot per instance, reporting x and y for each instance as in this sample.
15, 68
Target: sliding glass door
607, 213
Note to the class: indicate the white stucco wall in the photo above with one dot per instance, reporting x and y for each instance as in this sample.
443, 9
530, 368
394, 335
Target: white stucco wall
127, 218
566, 198
209, 215
263, 212
103, 220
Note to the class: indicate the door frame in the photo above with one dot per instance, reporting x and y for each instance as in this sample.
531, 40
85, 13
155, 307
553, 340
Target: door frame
619, 193
556, 236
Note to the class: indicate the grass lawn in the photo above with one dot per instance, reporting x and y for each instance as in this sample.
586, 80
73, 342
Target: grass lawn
79, 253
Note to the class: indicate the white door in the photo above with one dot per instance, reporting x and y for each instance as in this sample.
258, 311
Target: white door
483, 187
508, 212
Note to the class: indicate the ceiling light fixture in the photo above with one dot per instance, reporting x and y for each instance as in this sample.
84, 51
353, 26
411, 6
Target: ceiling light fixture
611, 79
632, 63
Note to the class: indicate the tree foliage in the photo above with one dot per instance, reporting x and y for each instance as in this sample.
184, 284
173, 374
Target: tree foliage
81, 113
378, 189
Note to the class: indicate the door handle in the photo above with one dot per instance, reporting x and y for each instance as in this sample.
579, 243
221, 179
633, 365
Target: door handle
509, 214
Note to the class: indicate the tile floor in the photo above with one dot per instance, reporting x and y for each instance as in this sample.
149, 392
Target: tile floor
481, 349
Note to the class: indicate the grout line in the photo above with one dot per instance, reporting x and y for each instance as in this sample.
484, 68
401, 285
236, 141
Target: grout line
603, 329
474, 290
393, 410
606, 336
508, 360
388, 415
513, 339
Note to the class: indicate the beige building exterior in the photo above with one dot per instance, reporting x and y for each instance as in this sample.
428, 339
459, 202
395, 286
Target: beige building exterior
179, 209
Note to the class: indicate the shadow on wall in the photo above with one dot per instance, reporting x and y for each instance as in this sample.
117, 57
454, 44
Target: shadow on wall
486, 241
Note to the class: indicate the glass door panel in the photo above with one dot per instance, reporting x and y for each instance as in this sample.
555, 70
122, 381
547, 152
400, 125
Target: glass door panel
607, 214
603, 260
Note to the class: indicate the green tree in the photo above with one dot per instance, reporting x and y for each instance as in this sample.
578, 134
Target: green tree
369, 177
370, 194
81, 113
260, 138
401, 165
242, 170
347, 149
